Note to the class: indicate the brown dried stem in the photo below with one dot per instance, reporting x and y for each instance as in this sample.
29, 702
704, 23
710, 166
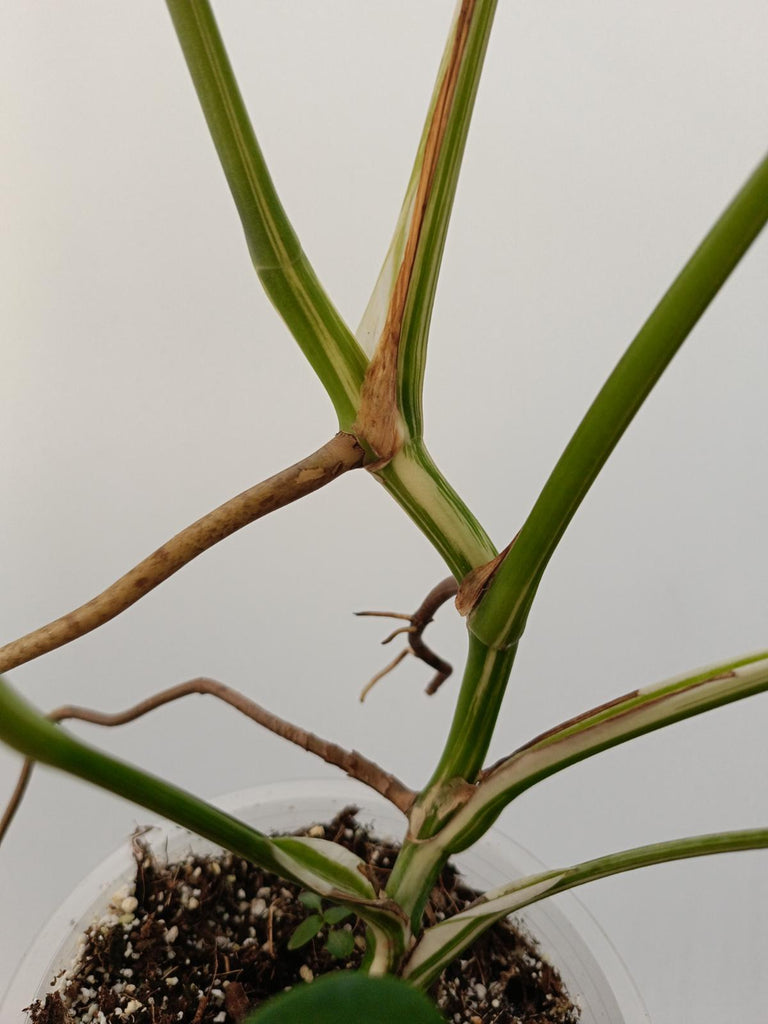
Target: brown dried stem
419, 621
353, 763
338, 455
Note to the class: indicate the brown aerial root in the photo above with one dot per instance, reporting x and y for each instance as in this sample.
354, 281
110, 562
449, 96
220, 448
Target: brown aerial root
417, 623
338, 455
353, 763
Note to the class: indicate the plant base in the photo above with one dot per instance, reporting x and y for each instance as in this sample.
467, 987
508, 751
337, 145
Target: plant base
206, 940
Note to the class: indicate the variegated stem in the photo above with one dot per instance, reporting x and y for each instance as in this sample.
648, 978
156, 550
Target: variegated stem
375, 315
418, 486
501, 615
317, 864
475, 808
337, 456
394, 329
482, 688
395, 325
474, 22
623, 719
443, 942
290, 281
388, 941
421, 856
280, 262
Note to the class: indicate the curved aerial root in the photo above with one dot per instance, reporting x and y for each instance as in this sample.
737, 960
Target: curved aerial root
417, 623
353, 763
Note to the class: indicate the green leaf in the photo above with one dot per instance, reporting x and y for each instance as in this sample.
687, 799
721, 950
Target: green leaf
334, 915
340, 943
306, 931
349, 998
311, 900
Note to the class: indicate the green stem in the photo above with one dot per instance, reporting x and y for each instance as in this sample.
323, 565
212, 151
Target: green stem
447, 819
400, 308
500, 618
293, 287
418, 486
609, 725
283, 268
443, 942
482, 689
421, 297
662, 853
418, 863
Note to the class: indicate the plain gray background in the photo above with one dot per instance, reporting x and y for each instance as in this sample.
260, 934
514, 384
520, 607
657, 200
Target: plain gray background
145, 379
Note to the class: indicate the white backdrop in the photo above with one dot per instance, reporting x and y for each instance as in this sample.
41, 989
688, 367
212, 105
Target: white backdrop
145, 379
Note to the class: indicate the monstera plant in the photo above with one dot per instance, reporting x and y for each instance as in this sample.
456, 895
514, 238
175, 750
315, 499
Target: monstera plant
375, 378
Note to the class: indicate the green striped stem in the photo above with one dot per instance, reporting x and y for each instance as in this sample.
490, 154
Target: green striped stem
293, 287
387, 942
500, 617
419, 861
418, 486
443, 942
375, 314
400, 307
421, 298
635, 714
607, 726
316, 864
280, 262
449, 114
482, 688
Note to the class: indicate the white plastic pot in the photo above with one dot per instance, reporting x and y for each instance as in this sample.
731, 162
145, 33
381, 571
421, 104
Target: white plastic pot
568, 936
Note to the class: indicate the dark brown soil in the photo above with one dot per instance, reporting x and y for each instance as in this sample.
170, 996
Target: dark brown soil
205, 940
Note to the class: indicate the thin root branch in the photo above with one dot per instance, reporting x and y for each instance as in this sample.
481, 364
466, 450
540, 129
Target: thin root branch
351, 761
386, 615
384, 672
419, 621
398, 632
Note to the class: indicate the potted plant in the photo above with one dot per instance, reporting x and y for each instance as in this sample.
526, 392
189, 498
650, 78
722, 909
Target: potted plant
381, 427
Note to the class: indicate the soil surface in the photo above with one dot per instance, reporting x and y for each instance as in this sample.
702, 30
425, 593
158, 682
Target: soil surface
205, 940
